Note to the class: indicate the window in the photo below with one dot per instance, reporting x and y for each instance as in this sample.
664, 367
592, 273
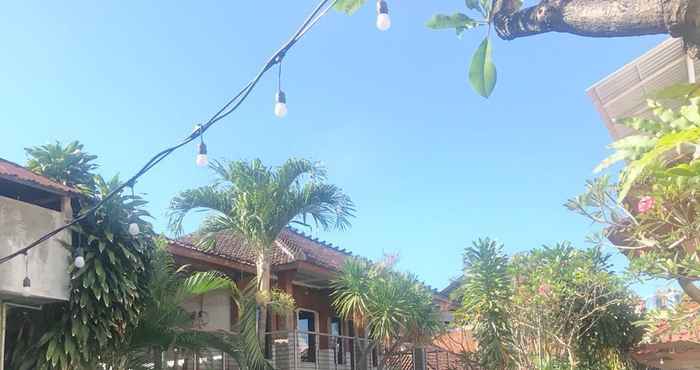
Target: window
337, 332
306, 341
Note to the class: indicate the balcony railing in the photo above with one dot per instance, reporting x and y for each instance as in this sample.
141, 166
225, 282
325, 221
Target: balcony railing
296, 350
301, 350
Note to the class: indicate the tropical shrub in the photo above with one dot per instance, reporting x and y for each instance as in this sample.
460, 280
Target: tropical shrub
484, 296
165, 326
394, 308
549, 308
107, 295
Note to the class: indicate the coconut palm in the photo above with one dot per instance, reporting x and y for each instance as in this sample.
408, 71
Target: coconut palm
256, 203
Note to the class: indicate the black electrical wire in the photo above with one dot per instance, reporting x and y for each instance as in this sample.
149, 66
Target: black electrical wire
228, 108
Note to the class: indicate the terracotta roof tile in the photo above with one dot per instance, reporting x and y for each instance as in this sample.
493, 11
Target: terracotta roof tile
291, 246
16, 173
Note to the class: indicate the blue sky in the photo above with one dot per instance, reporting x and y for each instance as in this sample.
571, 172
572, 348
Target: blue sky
430, 164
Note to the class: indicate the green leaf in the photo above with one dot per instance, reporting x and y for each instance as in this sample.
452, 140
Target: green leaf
667, 142
348, 6
456, 20
482, 71
677, 91
472, 4
486, 6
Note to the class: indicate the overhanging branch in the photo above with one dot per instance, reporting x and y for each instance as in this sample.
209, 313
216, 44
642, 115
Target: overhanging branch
592, 18
690, 288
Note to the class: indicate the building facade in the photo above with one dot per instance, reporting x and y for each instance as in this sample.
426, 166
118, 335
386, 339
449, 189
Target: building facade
31, 206
315, 337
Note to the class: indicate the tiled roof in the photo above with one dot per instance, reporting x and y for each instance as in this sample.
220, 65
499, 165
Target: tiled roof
291, 246
16, 173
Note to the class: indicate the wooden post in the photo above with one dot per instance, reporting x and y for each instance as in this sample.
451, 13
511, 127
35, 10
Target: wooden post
419, 358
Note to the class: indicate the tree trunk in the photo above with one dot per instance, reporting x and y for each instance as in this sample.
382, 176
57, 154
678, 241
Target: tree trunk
690, 289
263, 297
599, 18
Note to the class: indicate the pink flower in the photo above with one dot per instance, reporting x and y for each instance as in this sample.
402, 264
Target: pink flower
544, 289
645, 204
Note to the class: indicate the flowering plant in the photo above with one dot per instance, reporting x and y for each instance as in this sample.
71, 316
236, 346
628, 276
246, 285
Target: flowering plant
651, 212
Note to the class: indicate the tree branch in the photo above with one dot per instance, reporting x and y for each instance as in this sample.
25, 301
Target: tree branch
593, 18
690, 288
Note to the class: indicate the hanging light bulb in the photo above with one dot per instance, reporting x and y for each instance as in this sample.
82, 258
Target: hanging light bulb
79, 261
280, 97
383, 19
134, 229
280, 104
202, 158
661, 361
26, 287
27, 283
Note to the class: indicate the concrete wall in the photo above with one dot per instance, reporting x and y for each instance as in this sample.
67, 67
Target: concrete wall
217, 305
20, 224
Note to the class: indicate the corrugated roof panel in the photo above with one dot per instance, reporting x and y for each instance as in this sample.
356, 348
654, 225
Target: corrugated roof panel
676, 71
617, 84
633, 101
659, 57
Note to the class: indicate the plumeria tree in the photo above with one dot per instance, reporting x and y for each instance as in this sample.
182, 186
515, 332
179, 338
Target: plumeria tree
569, 308
649, 210
256, 202
550, 308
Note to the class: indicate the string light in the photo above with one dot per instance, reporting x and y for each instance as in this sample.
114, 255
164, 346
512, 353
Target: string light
202, 157
232, 105
27, 282
134, 229
383, 19
280, 97
79, 261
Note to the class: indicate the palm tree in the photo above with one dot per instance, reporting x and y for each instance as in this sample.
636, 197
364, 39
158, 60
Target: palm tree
257, 202
165, 325
394, 308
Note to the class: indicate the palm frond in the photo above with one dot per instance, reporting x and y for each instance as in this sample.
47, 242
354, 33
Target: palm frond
293, 170
326, 204
206, 198
204, 282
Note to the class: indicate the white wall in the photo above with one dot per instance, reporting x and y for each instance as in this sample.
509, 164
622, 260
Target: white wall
20, 224
217, 305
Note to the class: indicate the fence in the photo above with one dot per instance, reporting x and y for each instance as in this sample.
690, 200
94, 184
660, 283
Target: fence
300, 350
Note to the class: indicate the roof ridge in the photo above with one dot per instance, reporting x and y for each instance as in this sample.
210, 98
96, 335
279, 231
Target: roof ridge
318, 241
50, 184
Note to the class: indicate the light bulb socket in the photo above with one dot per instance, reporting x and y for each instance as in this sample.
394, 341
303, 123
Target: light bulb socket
281, 97
382, 7
27, 283
202, 149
